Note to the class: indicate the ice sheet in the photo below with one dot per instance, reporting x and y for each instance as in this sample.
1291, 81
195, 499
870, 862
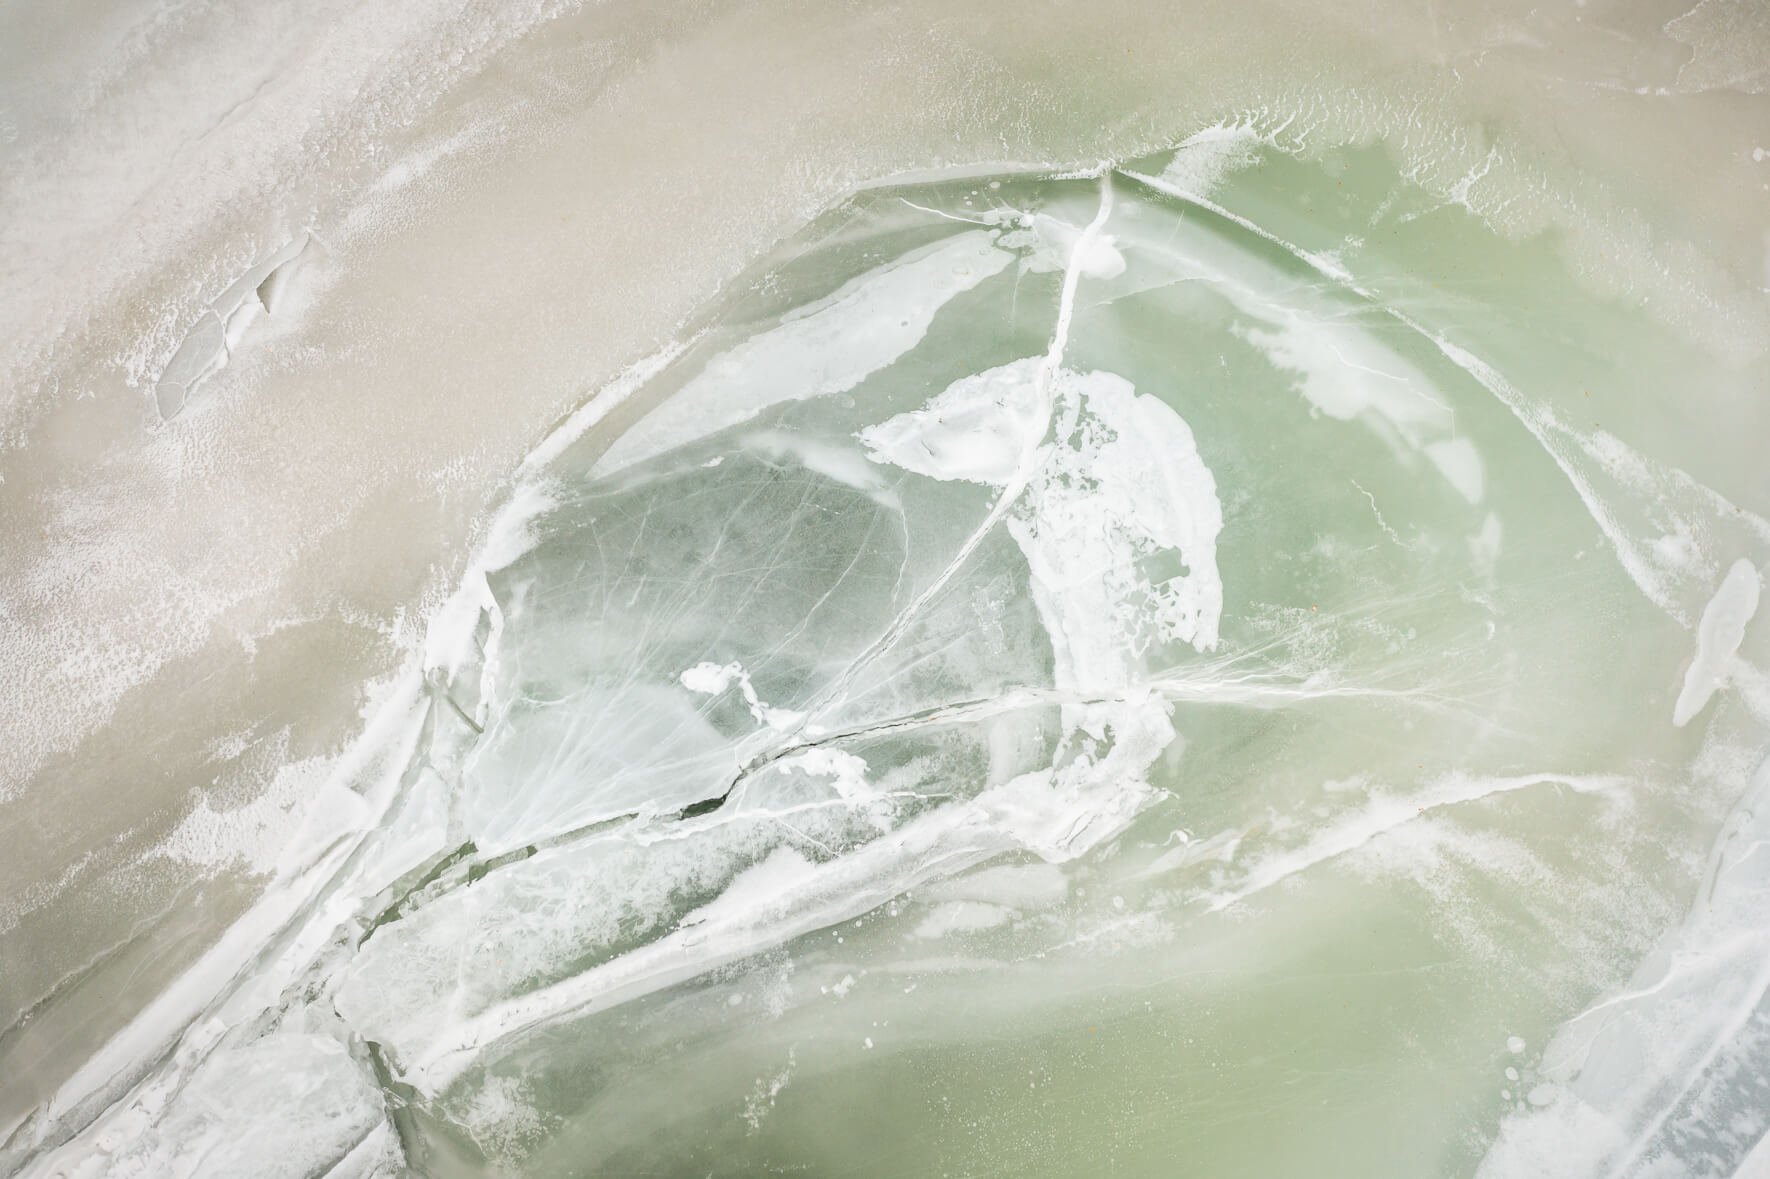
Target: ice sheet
1109, 598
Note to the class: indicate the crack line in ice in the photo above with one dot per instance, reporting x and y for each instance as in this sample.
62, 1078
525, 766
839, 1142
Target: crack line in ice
1032, 457
1189, 689
1378, 513
948, 216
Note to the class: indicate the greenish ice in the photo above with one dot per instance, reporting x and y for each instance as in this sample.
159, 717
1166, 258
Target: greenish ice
1212, 664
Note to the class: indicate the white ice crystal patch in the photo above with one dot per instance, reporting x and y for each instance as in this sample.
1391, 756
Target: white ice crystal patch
1119, 518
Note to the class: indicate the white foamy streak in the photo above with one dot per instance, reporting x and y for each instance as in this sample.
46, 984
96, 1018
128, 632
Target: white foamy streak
1384, 814
1206, 158
829, 347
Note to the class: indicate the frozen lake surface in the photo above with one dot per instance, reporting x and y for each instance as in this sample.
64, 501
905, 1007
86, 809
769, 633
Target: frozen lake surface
684, 590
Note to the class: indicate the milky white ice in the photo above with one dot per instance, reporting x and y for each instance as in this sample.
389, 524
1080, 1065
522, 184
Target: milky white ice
669, 590
1718, 636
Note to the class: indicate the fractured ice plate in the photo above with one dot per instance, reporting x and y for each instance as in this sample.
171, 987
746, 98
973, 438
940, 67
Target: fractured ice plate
1052, 675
